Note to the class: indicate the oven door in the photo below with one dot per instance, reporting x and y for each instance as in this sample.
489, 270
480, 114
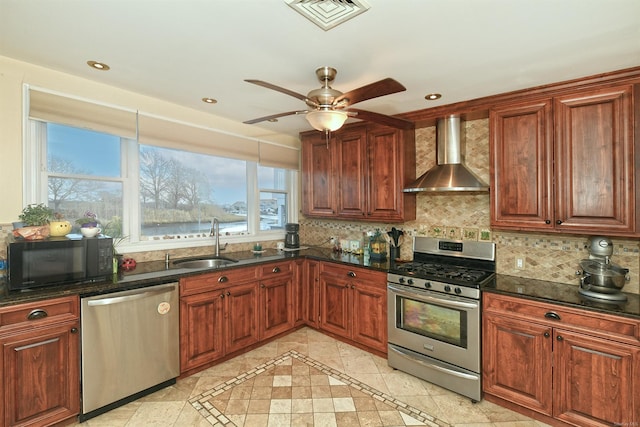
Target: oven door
444, 327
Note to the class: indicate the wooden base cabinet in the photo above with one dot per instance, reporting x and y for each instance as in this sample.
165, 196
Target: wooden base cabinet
353, 304
276, 298
568, 365
218, 315
39, 369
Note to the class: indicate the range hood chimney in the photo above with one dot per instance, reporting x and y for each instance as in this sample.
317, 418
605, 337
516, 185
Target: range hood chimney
449, 174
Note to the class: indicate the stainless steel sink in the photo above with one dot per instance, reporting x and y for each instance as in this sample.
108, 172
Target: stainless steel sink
215, 262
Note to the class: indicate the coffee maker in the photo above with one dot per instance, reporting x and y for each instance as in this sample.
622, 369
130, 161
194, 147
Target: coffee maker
292, 239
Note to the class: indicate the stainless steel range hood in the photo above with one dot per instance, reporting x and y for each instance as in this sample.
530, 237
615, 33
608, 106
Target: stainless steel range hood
449, 174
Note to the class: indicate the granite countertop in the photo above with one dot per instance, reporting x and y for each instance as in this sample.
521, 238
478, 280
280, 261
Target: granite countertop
156, 272
562, 294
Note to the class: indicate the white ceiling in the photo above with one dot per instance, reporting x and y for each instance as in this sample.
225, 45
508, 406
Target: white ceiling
184, 50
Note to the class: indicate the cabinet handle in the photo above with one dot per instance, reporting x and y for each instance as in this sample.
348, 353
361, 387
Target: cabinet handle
351, 274
559, 338
228, 293
552, 315
222, 295
222, 279
353, 286
262, 285
559, 222
346, 286
547, 221
276, 269
37, 314
74, 330
547, 334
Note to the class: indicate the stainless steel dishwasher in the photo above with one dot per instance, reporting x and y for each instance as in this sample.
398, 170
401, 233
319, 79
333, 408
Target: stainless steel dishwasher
130, 346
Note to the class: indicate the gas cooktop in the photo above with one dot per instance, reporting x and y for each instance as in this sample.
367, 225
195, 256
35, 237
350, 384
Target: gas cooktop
444, 272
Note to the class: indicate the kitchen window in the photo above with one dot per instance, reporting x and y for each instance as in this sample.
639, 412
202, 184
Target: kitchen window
157, 196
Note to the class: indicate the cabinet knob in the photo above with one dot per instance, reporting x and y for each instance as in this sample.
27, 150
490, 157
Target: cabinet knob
228, 293
222, 295
552, 315
547, 221
223, 279
547, 334
74, 330
353, 286
559, 338
276, 269
558, 222
262, 285
351, 274
37, 314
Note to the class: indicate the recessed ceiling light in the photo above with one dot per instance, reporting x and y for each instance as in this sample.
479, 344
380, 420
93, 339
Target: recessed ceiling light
98, 65
432, 96
210, 100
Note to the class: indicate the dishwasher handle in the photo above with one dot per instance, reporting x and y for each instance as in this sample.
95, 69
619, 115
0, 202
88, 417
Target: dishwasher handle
144, 293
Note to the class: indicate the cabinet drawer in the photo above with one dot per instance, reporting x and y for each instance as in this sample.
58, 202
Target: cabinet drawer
275, 269
24, 316
351, 272
218, 279
605, 325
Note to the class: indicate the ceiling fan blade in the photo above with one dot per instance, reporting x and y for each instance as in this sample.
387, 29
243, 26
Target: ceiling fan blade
278, 88
380, 88
273, 116
382, 119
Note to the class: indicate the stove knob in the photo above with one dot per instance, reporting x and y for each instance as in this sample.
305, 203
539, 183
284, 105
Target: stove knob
410, 281
401, 280
447, 288
457, 290
427, 285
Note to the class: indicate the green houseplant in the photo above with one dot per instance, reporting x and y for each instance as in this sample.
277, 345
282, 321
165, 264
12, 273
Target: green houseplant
36, 218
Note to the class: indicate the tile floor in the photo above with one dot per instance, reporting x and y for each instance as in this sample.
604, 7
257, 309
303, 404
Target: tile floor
338, 391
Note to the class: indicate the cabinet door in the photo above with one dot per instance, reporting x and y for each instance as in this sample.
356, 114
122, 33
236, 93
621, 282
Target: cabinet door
241, 316
318, 177
311, 292
351, 172
40, 376
517, 362
335, 312
201, 329
595, 161
370, 315
521, 166
385, 174
276, 308
596, 381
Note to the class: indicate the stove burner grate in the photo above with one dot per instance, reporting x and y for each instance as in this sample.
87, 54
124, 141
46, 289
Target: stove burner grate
443, 271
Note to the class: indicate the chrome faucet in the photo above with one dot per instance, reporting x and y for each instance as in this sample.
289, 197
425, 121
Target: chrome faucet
215, 230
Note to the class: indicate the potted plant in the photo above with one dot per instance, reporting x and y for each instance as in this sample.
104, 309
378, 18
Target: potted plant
89, 224
59, 226
36, 219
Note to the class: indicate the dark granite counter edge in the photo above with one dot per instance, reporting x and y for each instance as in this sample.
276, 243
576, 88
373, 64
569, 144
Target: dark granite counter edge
561, 294
155, 273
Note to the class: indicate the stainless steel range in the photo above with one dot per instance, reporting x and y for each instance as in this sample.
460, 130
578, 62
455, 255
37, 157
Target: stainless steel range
434, 312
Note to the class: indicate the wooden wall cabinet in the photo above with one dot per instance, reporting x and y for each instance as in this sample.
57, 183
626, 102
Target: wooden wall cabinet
566, 163
359, 174
353, 305
561, 364
39, 369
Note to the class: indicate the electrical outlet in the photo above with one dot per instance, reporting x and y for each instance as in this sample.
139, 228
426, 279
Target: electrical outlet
519, 263
333, 240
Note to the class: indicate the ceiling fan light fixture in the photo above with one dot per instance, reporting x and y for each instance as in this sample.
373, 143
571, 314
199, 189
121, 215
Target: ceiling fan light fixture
324, 120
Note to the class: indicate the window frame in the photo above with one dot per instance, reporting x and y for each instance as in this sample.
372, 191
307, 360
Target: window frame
35, 190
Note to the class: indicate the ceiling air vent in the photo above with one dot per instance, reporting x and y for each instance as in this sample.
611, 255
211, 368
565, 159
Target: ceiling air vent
326, 14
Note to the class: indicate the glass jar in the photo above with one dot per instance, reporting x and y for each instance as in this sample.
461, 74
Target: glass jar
378, 247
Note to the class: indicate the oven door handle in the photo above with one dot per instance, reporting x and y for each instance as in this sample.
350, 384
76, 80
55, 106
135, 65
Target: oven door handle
423, 297
435, 367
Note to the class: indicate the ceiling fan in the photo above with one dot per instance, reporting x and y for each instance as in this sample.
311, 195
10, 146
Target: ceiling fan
330, 107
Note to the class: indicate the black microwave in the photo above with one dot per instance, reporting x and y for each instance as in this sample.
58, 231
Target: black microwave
55, 261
